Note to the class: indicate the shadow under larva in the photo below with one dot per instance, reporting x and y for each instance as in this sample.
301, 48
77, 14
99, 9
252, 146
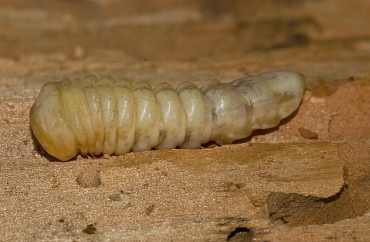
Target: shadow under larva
94, 116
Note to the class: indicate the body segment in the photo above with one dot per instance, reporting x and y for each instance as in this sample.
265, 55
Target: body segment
105, 116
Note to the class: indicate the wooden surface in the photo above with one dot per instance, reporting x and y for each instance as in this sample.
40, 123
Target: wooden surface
306, 180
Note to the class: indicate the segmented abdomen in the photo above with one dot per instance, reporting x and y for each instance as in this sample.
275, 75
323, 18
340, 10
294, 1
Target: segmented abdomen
105, 116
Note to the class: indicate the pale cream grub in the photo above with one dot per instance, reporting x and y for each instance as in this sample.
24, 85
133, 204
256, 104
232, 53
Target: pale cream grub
106, 116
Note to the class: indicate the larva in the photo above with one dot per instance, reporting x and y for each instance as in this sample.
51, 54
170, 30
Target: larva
106, 116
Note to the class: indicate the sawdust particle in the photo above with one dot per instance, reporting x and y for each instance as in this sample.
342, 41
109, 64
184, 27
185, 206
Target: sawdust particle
149, 210
307, 134
116, 197
89, 179
90, 229
230, 187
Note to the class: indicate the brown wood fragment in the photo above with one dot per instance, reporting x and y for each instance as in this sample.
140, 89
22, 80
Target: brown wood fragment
308, 134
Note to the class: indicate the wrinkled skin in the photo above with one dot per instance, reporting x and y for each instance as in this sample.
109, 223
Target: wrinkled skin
105, 116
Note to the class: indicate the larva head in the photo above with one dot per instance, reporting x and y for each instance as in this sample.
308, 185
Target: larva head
48, 125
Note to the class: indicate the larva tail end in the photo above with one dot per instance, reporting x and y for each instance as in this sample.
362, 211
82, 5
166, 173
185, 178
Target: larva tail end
291, 87
286, 82
275, 95
48, 125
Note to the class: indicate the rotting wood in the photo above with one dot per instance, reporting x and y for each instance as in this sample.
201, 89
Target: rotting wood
179, 194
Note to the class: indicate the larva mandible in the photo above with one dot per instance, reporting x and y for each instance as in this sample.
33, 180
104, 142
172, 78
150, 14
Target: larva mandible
106, 116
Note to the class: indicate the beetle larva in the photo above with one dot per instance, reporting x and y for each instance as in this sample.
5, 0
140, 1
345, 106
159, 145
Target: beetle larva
105, 116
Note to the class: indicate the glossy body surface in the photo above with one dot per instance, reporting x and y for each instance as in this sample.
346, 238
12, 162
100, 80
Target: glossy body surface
106, 116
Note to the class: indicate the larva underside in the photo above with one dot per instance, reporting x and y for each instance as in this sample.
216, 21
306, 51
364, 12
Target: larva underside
105, 116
